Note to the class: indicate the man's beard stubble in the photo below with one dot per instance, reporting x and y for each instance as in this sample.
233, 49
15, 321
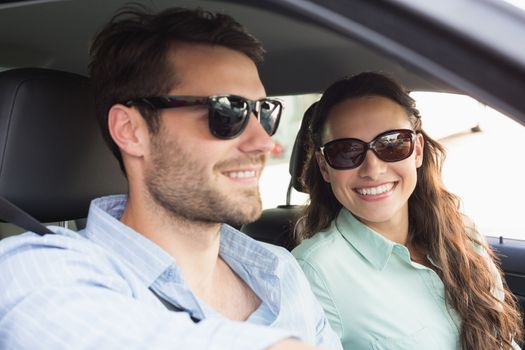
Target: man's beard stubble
178, 184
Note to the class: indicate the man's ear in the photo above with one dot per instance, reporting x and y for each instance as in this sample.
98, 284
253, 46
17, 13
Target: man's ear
323, 166
128, 129
420, 145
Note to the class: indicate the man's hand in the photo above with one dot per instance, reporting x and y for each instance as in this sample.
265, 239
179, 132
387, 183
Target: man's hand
292, 344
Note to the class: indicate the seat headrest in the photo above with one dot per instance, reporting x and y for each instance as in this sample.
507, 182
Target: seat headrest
53, 159
298, 156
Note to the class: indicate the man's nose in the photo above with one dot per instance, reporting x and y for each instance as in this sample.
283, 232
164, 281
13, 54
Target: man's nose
255, 138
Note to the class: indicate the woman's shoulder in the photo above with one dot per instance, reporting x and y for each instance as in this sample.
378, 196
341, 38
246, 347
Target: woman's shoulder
477, 239
318, 245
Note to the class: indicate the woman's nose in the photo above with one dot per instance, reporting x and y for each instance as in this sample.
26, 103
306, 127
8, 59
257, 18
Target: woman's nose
372, 167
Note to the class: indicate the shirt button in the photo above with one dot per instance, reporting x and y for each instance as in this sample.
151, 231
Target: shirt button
273, 298
170, 274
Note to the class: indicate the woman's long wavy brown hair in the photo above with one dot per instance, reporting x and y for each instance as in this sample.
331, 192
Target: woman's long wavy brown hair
436, 225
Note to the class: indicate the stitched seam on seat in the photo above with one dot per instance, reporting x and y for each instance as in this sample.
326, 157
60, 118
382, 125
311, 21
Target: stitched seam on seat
9, 119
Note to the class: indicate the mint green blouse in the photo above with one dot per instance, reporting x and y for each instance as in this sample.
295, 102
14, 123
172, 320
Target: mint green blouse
374, 296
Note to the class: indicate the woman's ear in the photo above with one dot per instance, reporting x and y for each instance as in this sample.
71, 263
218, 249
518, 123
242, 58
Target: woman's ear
323, 166
128, 130
420, 145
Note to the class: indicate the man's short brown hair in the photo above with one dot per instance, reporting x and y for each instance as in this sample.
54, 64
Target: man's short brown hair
129, 55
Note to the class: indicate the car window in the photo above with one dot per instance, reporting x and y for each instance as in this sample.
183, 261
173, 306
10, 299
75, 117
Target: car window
484, 164
275, 177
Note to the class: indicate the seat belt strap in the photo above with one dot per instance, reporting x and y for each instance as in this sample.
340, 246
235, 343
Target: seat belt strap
14, 215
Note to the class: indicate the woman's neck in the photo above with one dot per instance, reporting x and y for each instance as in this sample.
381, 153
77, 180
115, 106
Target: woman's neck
394, 229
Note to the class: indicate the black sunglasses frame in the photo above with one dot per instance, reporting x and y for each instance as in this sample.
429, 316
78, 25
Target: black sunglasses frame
369, 146
164, 102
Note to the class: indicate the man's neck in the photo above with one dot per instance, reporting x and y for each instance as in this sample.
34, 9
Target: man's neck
194, 245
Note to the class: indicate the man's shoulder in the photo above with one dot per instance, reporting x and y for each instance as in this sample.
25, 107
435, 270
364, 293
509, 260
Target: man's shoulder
31, 264
239, 244
31, 255
288, 268
32, 243
280, 252
269, 257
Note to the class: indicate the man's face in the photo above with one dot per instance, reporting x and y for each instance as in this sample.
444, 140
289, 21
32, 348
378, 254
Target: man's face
188, 171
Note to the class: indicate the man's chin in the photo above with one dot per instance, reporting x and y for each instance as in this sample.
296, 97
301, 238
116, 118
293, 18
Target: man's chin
245, 215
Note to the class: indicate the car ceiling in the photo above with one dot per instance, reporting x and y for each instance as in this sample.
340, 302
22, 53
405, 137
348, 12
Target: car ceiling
301, 56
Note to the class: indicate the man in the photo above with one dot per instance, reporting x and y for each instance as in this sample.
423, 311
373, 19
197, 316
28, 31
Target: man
183, 109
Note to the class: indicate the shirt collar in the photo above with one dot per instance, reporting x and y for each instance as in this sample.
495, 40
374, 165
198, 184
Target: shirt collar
253, 261
256, 264
239, 248
375, 248
145, 257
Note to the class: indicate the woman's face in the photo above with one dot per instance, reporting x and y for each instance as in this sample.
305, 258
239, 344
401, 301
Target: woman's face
376, 192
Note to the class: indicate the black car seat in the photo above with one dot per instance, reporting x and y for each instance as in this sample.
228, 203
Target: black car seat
277, 225
53, 160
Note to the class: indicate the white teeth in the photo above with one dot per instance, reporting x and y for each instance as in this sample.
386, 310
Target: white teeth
374, 191
241, 174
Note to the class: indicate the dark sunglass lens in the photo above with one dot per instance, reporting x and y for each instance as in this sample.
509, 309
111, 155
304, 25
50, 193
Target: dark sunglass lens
345, 154
395, 146
228, 116
269, 114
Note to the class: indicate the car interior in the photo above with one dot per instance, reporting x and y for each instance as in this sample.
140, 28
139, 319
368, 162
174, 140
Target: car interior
53, 160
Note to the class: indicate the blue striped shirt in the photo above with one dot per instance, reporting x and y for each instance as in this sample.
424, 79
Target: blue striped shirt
100, 288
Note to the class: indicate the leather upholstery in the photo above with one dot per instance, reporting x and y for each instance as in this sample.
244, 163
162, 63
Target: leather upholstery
298, 156
53, 159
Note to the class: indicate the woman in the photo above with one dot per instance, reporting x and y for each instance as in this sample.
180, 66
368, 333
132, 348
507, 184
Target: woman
387, 251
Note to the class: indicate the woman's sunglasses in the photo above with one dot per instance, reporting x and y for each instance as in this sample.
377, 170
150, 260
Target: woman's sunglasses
389, 146
228, 115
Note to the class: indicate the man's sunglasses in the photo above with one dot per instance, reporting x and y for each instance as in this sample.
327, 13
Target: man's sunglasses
228, 115
389, 146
